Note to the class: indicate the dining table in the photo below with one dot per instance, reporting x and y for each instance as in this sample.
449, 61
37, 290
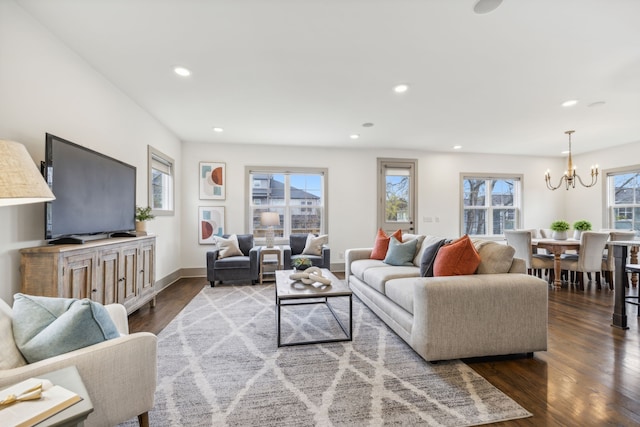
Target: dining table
557, 248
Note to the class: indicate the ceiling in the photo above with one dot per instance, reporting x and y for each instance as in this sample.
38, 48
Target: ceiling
312, 72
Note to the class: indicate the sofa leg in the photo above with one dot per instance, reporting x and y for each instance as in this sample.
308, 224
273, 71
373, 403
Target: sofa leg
143, 419
213, 283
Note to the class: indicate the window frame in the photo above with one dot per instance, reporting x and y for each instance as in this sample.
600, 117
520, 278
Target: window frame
157, 158
609, 199
284, 170
517, 203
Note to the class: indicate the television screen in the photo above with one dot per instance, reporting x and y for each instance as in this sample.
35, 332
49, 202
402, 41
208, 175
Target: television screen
95, 194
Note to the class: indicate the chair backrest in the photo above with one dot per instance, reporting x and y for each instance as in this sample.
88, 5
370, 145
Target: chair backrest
621, 235
521, 242
546, 233
592, 246
245, 242
297, 243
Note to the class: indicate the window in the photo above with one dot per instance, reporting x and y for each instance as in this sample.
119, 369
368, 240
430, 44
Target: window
490, 204
161, 182
623, 199
298, 195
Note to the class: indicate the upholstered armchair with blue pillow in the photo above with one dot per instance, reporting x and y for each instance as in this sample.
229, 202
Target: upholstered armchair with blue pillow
118, 369
235, 259
310, 246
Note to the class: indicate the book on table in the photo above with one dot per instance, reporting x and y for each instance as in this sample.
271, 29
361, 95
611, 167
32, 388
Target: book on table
24, 413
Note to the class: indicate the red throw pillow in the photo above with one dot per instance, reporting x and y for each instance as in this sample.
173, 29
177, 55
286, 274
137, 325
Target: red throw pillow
457, 258
382, 243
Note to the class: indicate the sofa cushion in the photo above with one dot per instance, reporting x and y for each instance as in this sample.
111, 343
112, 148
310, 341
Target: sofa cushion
429, 256
456, 258
400, 291
44, 327
228, 247
10, 356
382, 243
420, 239
313, 245
377, 277
494, 257
400, 253
358, 267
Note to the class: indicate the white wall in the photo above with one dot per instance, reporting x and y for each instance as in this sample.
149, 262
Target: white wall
352, 189
45, 87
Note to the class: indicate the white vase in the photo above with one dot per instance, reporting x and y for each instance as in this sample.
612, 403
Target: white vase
577, 234
560, 235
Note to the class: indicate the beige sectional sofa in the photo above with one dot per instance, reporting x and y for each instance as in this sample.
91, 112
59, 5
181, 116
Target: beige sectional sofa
499, 310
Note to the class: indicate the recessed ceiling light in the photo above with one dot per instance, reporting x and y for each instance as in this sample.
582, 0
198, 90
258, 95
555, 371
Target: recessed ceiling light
457, 147
486, 6
564, 152
596, 104
367, 125
181, 71
401, 88
217, 129
354, 136
570, 103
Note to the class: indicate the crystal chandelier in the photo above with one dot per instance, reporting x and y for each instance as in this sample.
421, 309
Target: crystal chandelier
570, 176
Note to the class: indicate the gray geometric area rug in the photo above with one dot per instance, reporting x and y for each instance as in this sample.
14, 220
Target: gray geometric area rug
219, 365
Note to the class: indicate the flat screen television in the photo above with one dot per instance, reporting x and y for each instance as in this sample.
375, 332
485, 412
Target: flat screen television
95, 194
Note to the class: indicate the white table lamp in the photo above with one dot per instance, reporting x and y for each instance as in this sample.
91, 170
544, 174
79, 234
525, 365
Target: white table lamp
270, 219
20, 180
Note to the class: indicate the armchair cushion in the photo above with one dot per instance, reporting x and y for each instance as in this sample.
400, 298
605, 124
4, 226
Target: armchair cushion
228, 247
313, 245
297, 242
44, 327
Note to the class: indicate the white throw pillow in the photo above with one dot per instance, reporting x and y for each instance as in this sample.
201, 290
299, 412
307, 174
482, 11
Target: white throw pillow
10, 356
314, 244
228, 247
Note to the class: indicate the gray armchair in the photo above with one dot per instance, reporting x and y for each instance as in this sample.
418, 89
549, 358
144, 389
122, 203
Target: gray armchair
235, 268
296, 246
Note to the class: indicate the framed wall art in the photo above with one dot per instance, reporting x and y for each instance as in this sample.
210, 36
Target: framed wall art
212, 181
210, 224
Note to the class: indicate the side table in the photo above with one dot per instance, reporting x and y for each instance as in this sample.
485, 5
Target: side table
76, 414
265, 273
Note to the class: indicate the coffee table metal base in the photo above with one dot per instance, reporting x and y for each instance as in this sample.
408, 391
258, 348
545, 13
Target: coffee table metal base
324, 300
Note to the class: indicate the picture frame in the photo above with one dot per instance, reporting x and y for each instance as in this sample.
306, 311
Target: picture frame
210, 224
213, 181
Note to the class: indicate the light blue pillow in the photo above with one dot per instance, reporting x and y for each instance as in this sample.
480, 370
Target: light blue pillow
44, 327
400, 253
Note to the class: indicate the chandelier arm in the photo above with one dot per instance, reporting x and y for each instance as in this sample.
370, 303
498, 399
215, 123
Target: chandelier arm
551, 187
594, 180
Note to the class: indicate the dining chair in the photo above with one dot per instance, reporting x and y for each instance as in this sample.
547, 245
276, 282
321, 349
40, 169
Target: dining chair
520, 240
608, 260
589, 259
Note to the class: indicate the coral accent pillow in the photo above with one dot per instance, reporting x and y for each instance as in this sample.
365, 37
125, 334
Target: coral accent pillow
382, 243
457, 258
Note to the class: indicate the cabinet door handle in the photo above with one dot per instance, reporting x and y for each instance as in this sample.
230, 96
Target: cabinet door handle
94, 290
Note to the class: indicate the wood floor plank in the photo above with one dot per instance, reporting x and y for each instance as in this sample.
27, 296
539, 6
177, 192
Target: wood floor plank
589, 376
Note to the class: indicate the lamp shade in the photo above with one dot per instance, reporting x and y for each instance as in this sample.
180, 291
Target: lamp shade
20, 180
270, 218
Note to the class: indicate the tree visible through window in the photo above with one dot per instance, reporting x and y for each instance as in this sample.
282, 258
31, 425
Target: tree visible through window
298, 196
490, 205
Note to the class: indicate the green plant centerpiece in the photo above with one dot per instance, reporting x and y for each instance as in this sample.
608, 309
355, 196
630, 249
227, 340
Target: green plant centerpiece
579, 227
582, 225
142, 216
560, 229
301, 263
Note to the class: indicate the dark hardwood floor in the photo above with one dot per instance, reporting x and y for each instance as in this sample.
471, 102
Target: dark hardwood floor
590, 375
